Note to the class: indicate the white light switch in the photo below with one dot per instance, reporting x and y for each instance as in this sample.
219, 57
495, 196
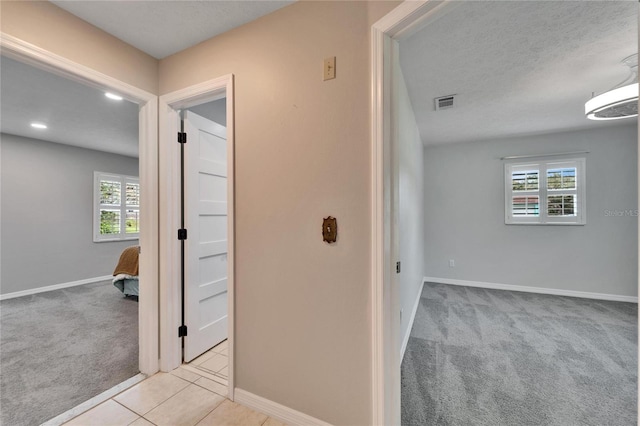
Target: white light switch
329, 68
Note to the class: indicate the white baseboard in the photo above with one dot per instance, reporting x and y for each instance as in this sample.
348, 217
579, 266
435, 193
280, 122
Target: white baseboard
527, 289
405, 339
273, 409
54, 287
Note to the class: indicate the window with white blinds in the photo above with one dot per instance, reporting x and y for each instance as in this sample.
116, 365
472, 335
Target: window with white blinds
545, 192
116, 207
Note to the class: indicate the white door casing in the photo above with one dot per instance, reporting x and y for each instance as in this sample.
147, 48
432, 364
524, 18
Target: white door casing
169, 155
148, 318
401, 22
205, 171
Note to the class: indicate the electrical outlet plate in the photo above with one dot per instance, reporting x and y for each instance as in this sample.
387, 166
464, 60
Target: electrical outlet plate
329, 68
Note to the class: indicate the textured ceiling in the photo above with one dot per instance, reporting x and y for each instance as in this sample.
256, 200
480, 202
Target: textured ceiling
161, 27
82, 116
77, 115
517, 67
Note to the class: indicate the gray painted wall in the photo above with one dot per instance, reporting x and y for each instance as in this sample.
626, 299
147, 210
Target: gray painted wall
411, 203
215, 111
464, 216
47, 234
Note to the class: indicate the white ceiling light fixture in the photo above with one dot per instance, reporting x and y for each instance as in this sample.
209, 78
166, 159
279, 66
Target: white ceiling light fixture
619, 102
113, 96
39, 126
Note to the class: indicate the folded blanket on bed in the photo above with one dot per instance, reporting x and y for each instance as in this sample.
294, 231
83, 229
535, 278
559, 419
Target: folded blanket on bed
128, 263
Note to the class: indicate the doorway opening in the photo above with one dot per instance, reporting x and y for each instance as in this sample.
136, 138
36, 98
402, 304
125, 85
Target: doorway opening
401, 23
76, 274
198, 298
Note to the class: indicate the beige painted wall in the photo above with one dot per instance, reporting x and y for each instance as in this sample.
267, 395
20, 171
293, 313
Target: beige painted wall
303, 314
47, 26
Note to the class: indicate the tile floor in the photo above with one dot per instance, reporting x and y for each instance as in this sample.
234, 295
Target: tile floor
180, 398
213, 364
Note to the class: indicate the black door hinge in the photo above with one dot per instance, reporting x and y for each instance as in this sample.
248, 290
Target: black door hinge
397, 267
182, 137
182, 234
182, 331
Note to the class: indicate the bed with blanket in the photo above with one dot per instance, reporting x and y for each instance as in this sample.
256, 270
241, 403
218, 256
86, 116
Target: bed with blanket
125, 276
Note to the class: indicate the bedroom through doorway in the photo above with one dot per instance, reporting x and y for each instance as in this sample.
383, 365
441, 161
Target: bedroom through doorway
71, 209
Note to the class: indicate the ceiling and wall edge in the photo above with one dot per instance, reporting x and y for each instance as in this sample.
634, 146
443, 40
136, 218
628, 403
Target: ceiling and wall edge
55, 30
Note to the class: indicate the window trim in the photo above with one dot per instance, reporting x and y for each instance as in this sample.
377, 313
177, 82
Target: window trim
543, 166
122, 236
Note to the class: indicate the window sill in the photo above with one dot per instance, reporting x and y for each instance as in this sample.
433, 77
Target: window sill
115, 240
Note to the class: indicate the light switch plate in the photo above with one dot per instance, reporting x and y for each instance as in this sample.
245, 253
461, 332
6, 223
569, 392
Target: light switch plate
329, 68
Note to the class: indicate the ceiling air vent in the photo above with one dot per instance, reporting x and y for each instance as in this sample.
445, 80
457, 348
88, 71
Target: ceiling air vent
444, 102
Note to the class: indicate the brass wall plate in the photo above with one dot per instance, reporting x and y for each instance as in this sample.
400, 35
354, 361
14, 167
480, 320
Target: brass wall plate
329, 229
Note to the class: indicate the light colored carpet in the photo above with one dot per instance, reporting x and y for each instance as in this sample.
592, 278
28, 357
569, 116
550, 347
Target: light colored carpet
61, 348
493, 357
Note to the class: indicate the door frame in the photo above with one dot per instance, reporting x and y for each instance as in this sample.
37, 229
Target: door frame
148, 173
400, 23
170, 306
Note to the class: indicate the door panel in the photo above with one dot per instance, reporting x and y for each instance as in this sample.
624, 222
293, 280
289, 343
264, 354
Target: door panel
206, 222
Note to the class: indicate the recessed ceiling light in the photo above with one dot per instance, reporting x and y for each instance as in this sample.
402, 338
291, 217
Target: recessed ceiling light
38, 126
113, 96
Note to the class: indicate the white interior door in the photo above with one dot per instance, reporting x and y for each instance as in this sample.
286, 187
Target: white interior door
205, 172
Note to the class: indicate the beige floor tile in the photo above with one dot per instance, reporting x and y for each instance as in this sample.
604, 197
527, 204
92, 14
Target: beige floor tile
185, 408
273, 422
151, 392
186, 374
224, 372
207, 373
218, 348
213, 386
232, 414
109, 413
216, 363
142, 422
225, 351
202, 358
223, 381
223, 345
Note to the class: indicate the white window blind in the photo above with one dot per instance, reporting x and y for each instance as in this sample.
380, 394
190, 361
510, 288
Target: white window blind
545, 192
116, 207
